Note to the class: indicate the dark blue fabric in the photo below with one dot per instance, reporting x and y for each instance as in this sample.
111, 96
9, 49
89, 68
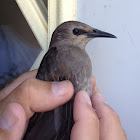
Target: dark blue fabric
6, 54
16, 55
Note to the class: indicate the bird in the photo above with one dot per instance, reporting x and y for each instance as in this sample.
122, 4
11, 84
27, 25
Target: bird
66, 59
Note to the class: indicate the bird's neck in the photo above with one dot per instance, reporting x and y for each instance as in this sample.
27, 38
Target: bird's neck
66, 43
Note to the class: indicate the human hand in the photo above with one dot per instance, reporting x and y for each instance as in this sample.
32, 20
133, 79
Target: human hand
94, 119
17, 108
27, 95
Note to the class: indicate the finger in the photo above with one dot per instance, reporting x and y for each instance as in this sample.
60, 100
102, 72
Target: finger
40, 96
110, 125
86, 125
12, 122
4, 92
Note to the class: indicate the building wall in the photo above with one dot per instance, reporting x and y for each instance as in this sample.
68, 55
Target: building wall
116, 62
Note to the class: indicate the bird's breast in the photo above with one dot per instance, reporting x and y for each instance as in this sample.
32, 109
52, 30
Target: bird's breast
74, 64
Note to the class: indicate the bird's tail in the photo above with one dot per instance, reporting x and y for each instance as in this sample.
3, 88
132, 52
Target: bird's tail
44, 126
41, 127
67, 121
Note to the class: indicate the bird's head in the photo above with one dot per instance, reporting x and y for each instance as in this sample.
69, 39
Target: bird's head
76, 33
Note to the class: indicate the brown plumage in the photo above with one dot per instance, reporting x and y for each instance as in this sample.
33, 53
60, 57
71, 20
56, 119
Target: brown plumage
66, 59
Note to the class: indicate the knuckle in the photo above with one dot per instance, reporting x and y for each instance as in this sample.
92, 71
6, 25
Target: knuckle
114, 116
92, 117
24, 95
26, 88
95, 118
27, 85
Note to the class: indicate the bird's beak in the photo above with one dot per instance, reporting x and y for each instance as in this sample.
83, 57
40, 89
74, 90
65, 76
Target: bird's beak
97, 33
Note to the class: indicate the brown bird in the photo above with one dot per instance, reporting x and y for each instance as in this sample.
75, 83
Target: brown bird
66, 59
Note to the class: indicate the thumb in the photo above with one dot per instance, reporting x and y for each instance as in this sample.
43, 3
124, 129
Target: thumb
12, 122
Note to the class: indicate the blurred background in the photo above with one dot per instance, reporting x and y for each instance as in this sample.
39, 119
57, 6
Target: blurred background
116, 62
18, 45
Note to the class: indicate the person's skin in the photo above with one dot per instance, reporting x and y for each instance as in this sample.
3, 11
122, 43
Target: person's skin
94, 119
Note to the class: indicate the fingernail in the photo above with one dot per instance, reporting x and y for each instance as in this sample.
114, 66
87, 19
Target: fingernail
86, 97
7, 119
60, 88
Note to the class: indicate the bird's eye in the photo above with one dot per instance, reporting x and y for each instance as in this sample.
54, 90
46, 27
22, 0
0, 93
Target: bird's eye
76, 31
